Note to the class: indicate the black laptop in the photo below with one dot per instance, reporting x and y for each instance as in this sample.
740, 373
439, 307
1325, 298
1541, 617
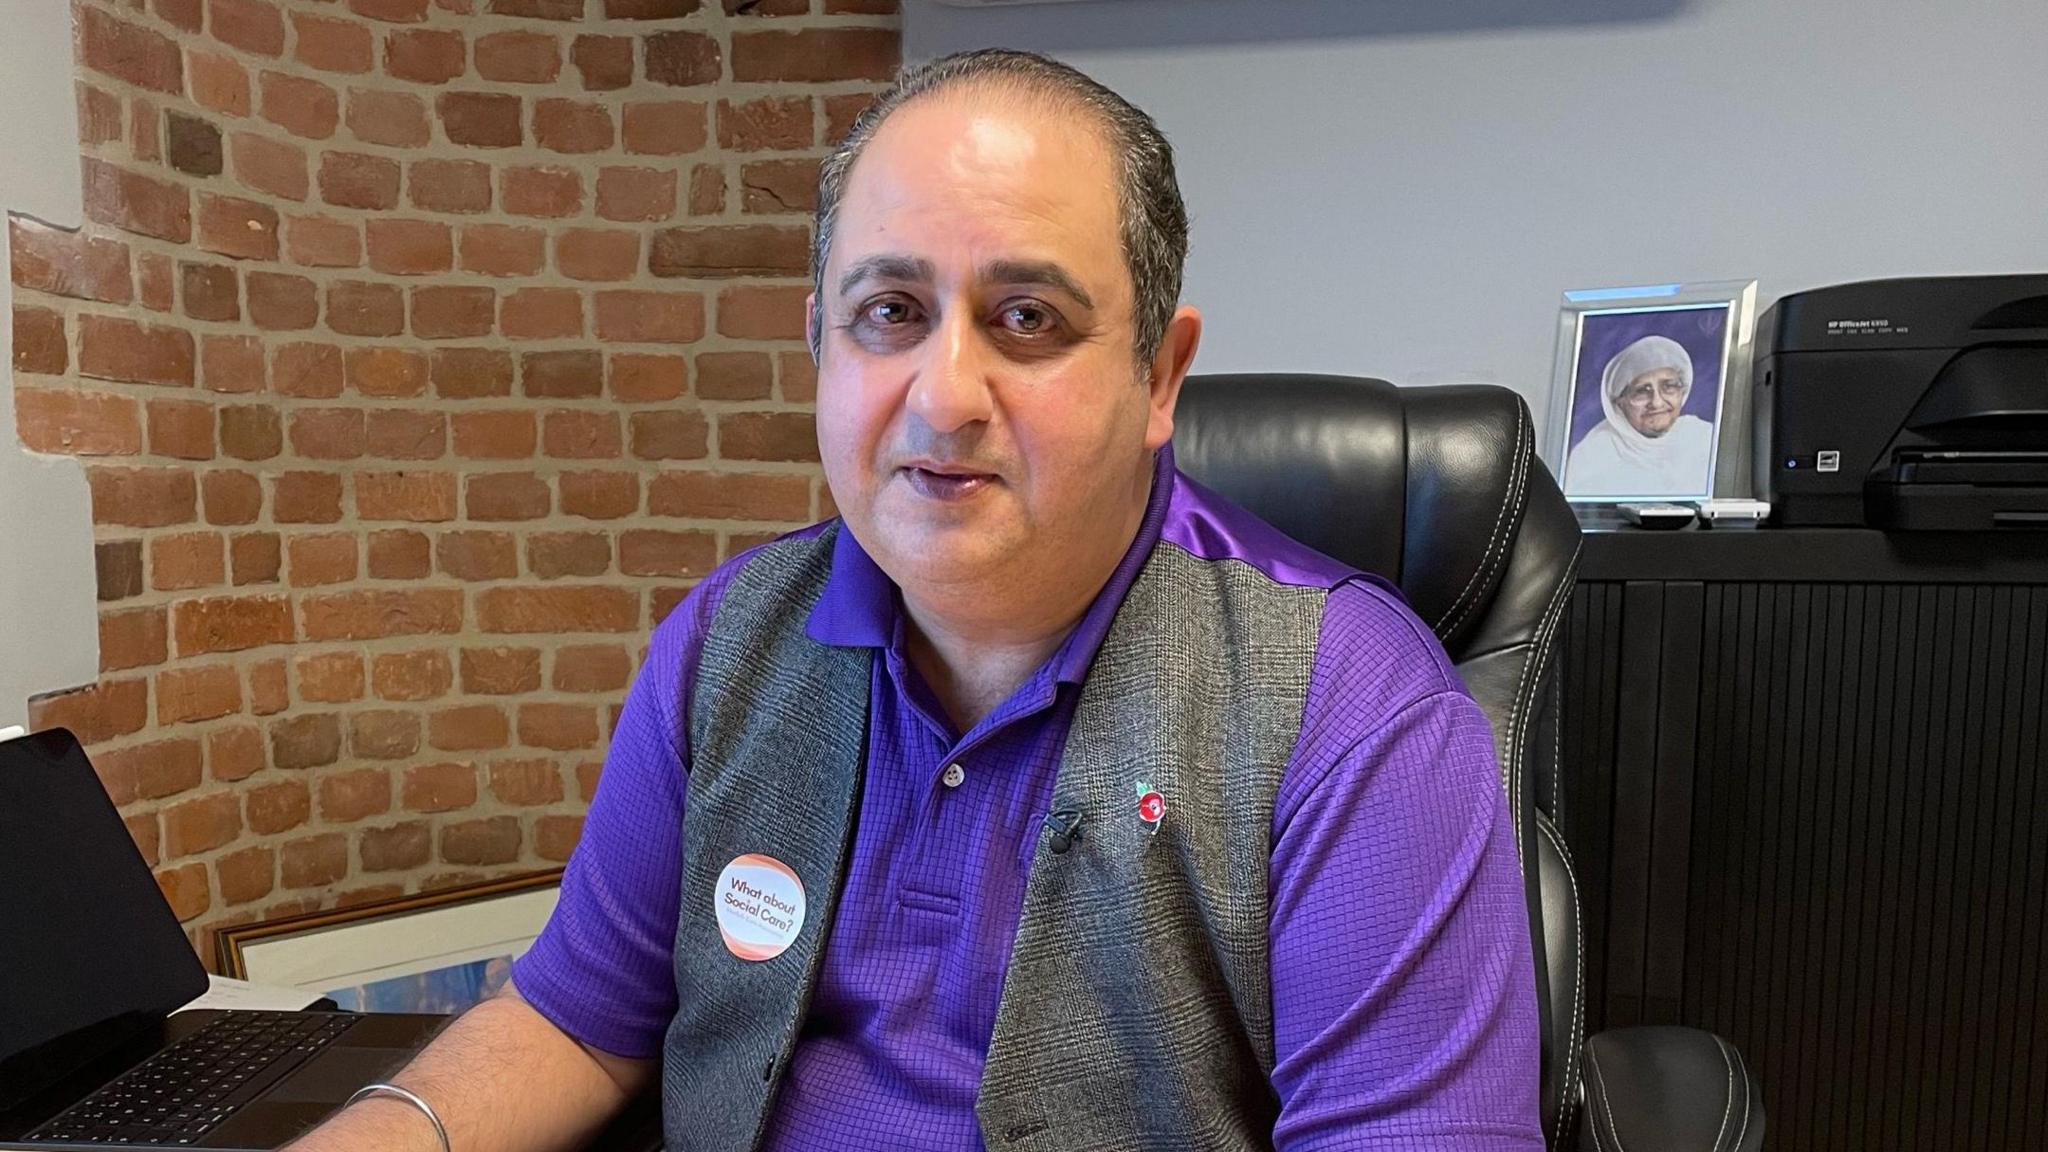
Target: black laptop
92, 967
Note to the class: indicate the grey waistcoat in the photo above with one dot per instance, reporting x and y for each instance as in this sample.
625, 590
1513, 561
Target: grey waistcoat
1136, 1012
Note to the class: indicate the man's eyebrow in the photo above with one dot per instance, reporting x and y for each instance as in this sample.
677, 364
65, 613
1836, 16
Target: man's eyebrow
1043, 273
886, 268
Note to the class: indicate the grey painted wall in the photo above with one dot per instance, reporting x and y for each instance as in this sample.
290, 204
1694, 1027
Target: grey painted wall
49, 633
1404, 188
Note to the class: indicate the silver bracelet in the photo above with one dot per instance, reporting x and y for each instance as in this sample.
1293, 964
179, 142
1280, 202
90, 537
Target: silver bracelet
410, 1097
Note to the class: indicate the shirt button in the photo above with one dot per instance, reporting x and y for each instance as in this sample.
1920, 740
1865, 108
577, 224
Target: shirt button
954, 776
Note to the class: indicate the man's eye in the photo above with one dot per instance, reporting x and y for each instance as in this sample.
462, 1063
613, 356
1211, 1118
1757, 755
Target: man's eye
890, 313
1029, 319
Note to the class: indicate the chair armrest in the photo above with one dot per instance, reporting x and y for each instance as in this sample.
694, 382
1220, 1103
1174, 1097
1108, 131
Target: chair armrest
1671, 1089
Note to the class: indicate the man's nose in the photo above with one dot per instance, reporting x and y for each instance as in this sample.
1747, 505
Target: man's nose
951, 388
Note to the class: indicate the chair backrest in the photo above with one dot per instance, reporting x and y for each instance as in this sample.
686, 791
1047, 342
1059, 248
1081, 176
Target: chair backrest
1438, 490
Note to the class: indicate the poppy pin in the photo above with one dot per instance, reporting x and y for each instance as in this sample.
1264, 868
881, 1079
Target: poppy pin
1151, 806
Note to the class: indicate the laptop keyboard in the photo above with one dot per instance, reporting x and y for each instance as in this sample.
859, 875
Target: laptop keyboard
183, 1092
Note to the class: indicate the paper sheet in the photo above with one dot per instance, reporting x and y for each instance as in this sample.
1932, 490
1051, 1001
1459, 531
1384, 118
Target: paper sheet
222, 992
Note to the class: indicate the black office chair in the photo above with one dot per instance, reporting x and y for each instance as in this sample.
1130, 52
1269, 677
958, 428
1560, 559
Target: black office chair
1439, 490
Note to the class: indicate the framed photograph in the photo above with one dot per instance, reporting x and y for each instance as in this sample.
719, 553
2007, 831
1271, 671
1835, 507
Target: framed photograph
435, 952
1650, 396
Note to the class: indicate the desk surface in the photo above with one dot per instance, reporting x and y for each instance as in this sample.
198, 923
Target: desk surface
1815, 555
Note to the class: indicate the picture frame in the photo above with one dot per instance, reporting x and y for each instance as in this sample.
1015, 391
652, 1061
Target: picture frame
1677, 427
439, 951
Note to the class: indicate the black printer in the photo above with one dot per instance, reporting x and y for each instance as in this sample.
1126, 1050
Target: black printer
1906, 404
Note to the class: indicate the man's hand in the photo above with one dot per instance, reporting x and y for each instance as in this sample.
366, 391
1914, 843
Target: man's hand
501, 1077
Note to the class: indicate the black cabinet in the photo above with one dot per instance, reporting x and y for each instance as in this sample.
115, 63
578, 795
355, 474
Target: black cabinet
1806, 779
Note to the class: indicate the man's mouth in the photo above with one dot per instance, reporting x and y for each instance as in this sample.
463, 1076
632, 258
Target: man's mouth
937, 480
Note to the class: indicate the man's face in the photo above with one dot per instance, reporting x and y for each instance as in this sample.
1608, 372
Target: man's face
982, 418
1652, 401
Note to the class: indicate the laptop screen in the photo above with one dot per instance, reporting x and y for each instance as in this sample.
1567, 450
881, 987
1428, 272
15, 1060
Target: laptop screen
86, 939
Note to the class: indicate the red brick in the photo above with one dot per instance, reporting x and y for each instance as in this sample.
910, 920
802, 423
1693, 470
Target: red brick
538, 9
644, 377
385, 371
452, 313
558, 726
187, 560
94, 713
501, 249
542, 191
282, 303
467, 728
250, 432
683, 59
470, 373
636, 194
505, 435
150, 771
350, 796
308, 370
323, 558
399, 554
235, 227
414, 496
707, 190
477, 555
255, 558
816, 55
604, 62
425, 56
579, 435
409, 247
329, 677
556, 555
114, 348
762, 312
732, 250
767, 7
77, 423
396, 119
232, 364
406, 434
268, 693
230, 623
426, 674
597, 253
236, 754
542, 314
398, 848
518, 57
500, 671
182, 429
323, 242
779, 186
247, 874
555, 837
383, 735
217, 82
371, 615
788, 436
307, 498
450, 185
232, 497
40, 345
132, 639
136, 203
364, 308
572, 126
201, 824
649, 9
314, 861
355, 180
771, 124
300, 106
527, 610
594, 667
669, 435
251, 25
481, 119
730, 496
211, 291
100, 117
668, 127
140, 56
650, 317
600, 495
193, 145
504, 496
202, 693
68, 263
394, 11
145, 138
327, 433
734, 375
441, 787
490, 841
645, 552
526, 782
185, 890
279, 807
142, 497
305, 741
332, 45
153, 286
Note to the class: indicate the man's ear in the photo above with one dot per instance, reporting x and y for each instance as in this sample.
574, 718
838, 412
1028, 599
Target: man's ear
1169, 368
813, 337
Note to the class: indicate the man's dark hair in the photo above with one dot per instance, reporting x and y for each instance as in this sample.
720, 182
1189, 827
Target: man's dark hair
1153, 221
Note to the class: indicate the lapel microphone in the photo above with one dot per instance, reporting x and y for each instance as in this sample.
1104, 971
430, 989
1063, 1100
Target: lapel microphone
1065, 826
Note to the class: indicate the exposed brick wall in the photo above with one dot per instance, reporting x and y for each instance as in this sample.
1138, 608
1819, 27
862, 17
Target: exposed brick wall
422, 356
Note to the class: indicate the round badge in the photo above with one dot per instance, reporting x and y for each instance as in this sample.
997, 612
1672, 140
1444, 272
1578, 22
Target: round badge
1151, 807
760, 906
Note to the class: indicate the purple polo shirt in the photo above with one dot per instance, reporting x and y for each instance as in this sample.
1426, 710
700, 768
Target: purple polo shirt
1403, 989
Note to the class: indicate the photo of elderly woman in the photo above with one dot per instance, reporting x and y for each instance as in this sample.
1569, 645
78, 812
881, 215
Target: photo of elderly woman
1646, 398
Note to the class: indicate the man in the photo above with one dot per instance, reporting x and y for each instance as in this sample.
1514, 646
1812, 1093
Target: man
1044, 800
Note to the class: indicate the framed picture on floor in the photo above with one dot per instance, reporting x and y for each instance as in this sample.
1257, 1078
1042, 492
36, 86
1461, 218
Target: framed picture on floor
1650, 395
439, 951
